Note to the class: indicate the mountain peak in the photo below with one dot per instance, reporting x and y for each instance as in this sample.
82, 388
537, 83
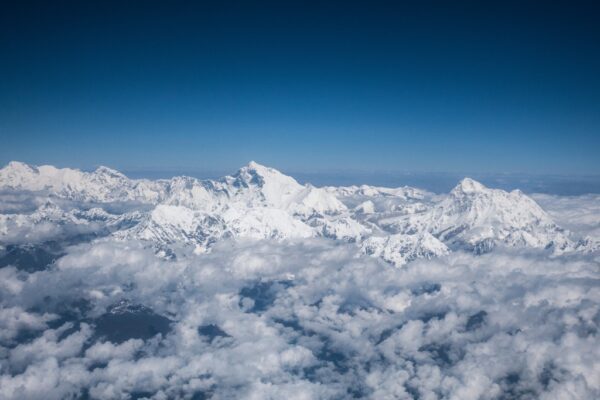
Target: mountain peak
15, 173
256, 174
102, 170
255, 165
468, 185
259, 169
19, 166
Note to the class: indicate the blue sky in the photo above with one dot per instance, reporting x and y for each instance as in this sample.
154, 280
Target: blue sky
371, 86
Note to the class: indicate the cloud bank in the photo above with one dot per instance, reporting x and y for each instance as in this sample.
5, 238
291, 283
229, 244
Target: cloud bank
303, 320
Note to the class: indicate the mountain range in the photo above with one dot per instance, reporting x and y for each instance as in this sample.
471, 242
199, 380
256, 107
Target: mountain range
398, 225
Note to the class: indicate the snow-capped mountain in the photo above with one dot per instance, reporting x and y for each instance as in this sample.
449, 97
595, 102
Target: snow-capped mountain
102, 185
478, 218
400, 249
256, 185
258, 202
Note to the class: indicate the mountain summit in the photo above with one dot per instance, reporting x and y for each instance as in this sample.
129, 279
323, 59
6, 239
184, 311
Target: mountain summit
478, 218
257, 174
468, 186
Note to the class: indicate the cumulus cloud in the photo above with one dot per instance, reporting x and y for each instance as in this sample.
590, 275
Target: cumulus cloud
302, 319
581, 214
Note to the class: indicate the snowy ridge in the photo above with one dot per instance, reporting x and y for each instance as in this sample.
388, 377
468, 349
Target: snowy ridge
257, 202
102, 185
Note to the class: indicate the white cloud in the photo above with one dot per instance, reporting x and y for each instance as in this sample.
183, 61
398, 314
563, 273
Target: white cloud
319, 323
581, 214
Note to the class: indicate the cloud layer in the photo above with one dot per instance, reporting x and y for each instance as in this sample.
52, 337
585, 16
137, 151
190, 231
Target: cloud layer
303, 320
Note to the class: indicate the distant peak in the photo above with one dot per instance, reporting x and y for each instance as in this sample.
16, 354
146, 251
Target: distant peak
18, 165
107, 171
258, 169
468, 185
257, 174
254, 166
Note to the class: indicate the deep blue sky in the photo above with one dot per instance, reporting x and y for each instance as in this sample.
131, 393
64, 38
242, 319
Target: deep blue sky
302, 86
